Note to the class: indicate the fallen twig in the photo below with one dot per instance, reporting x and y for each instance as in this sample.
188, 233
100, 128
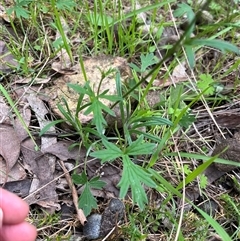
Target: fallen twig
80, 213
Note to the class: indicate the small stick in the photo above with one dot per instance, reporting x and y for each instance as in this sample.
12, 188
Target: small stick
80, 213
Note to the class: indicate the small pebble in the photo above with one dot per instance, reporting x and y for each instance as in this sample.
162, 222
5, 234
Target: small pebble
92, 229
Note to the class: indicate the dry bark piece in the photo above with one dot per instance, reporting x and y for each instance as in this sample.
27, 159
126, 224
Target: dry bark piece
232, 153
229, 120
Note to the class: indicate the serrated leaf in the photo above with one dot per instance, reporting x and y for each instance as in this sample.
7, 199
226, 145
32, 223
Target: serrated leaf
205, 84
78, 88
65, 4
133, 177
80, 179
187, 120
106, 109
110, 153
87, 201
182, 9
203, 181
111, 146
135, 67
139, 148
105, 155
96, 183
98, 119
147, 60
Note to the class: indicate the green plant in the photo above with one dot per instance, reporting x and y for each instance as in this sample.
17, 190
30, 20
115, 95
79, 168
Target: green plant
13, 105
133, 176
147, 61
20, 8
60, 5
96, 106
206, 82
94, 24
190, 44
86, 201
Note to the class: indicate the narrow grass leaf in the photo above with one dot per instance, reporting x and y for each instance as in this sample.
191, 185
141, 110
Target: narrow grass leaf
190, 55
151, 121
221, 232
65, 113
164, 182
216, 43
111, 97
11, 103
195, 173
49, 125
78, 88
204, 158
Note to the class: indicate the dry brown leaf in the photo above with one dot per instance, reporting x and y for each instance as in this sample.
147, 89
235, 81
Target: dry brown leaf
20, 130
16, 173
4, 112
20, 187
109, 174
7, 61
9, 145
45, 193
41, 111
61, 150
60, 68
179, 74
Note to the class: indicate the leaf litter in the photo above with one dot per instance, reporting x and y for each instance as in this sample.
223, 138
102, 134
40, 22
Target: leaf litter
38, 164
